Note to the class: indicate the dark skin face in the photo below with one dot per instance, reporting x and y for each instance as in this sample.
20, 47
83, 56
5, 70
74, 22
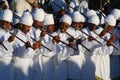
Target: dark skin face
109, 28
50, 28
81, 25
3, 5
6, 25
92, 27
75, 25
37, 24
25, 29
64, 26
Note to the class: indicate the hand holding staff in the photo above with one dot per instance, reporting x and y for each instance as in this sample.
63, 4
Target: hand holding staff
63, 42
109, 42
90, 36
41, 44
79, 43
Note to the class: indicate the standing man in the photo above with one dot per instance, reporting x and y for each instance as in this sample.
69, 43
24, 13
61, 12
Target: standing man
23, 51
6, 50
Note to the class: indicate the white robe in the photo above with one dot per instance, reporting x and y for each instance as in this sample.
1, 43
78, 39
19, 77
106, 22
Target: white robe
6, 66
37, 59
102, 58
103, 61
63, 52
115, 61
22, 58
47, 58
75, 62
89, 65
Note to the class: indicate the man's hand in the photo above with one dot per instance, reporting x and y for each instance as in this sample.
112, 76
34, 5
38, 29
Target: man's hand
37, 45
11, 38
56, 39
102, 33
78, 41
71, 44
27, 44
109, 43
90, 38
43, 33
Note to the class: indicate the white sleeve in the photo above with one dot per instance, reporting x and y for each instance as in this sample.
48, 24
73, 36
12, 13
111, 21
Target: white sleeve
48, 53
103, 50
8, 46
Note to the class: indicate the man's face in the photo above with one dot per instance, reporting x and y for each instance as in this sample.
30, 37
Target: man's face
109, 28
64, 26
75, 25
25, 29
6, 25
3, 5
37, 24
50, 28
92, 27
81, 25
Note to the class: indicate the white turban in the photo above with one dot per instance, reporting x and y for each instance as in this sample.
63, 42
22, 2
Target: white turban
77, 17
110, 20
48, 19
38, 14
90, 13
26, 19
94, 20
5, 3
66, 18
116, 13
7, 15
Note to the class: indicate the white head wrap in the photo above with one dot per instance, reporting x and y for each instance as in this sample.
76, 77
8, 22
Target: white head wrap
90, 13
110, 20
38, 14
77, 17
116, 13
7, 15
94, 20
66, 18
48, 19
26, 19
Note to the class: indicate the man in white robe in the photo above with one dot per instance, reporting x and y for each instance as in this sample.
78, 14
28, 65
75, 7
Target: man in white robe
47, 56
102, 56
6, 67
23, 51
38, 17
88, 70
75, 62
60, 61
114, 57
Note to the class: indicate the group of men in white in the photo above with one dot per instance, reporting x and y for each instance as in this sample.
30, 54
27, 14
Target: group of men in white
32, 50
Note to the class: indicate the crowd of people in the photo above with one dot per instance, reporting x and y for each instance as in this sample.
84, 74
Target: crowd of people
71, 43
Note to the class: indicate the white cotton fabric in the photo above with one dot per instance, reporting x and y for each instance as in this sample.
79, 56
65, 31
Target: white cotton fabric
7, 15
66, 18
48, 19
94, 20
77, 17
90, 13
38, 14
116, 13
26, 19
110, 20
